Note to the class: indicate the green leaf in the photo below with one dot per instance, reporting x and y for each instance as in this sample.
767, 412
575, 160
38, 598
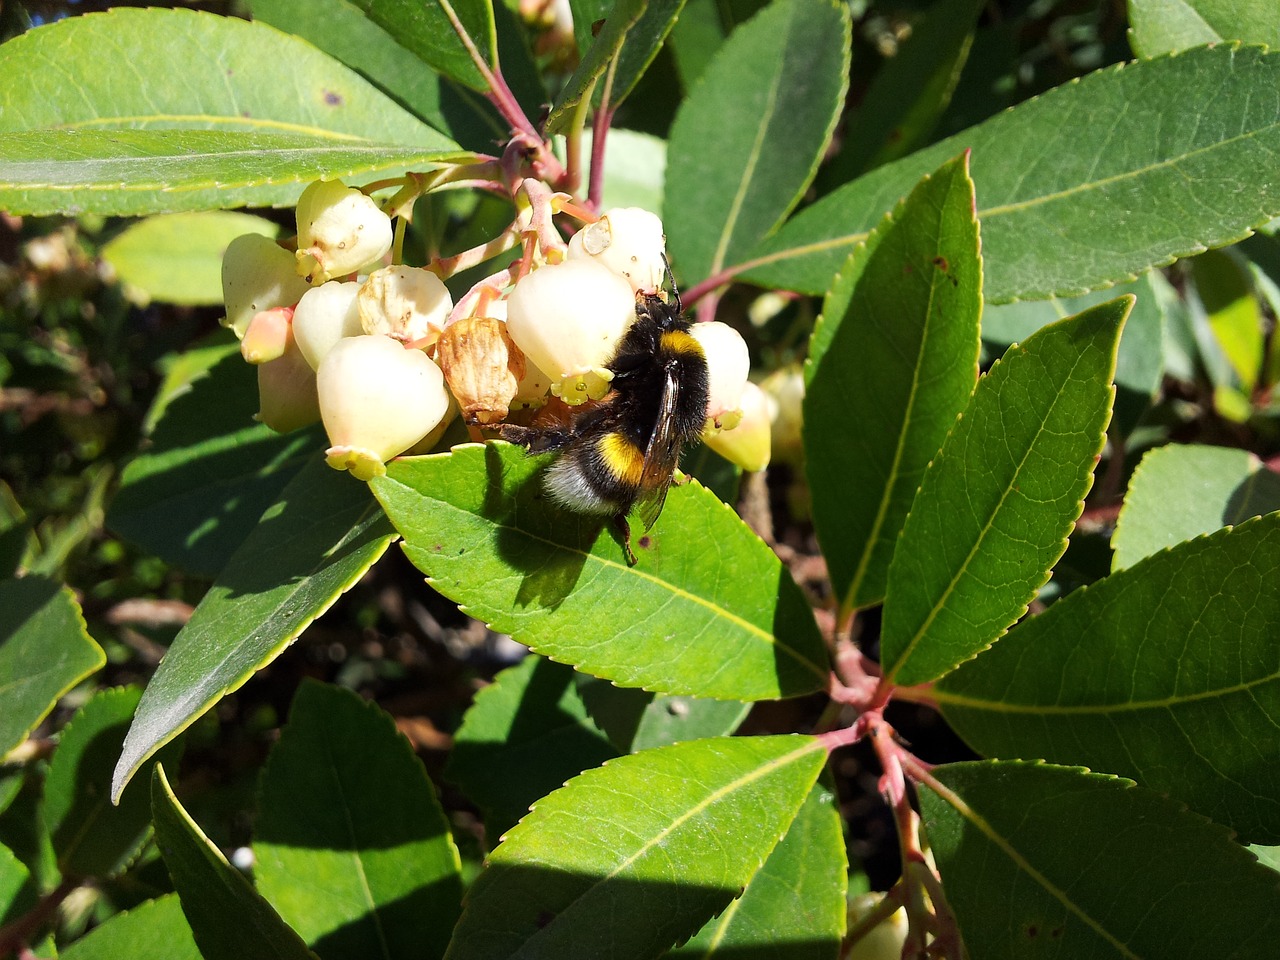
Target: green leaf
352, 846
602, 54
680, 830
137, 172
45, 650
342, 30
1042, 861
637, 720
229, 919
178, 258
1167, 26
746, 143
1182, 491
635, 169
155, 930
708, 611
794, 906
892, 362
631, 37
525, 735
91, 837
1226, 293
230, 72
909, 92
1164, 672
1087, 185
17, 892
197, 490
430, 30
1139, 363
997, 503
312, 545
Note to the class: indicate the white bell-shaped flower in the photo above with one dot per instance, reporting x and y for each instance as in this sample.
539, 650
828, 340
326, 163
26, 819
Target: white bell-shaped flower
257, 275
377, 399
568, 319
287, 398
407, 303
325, 315
340, 230
728, 363
627, 240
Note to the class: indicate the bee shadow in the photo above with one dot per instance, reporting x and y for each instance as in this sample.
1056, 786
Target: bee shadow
548, 545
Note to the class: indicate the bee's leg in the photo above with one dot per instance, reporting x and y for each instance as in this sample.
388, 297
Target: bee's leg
621, 521
533, 439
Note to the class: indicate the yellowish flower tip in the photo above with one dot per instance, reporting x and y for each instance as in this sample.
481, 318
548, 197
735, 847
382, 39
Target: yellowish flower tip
592, 385
361, 463
748, 442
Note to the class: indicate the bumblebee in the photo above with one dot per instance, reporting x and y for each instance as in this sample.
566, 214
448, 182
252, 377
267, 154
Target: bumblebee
621, 452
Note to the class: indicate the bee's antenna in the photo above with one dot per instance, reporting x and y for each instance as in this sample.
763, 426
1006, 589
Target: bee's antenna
671, 279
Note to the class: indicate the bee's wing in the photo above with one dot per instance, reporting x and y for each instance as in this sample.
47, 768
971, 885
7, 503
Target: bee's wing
663, 452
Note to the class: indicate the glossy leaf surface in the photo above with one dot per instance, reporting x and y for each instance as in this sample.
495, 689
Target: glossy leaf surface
177, 258
91, 836
131, 173
891, 364
909, 92
351, 844
523, 737
229, 919
198, 488
1056, 174
44, 652
316, 541
636, 720
435, 32
153, 930
1045, 861
747, 141
1166, 672
1165, 26
681, 829
1182, 491
997, 503
794, 907
708, 610
344, 31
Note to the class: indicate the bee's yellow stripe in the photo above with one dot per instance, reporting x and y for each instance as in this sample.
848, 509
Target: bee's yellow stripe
624, 460
679, 342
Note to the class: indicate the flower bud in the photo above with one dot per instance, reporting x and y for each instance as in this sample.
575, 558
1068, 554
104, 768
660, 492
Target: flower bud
325, 315
628, 241
785, 389
747, 444
257, 274
377, 399
567, 318
287, 397
883, 941
406, 303
340, 230
728, 363
267, 335
482, 367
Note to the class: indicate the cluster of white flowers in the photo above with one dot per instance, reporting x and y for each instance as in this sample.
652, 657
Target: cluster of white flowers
374, 351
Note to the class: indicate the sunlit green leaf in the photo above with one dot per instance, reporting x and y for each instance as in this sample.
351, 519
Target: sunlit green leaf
352, 846
45, 650
680, 829
1166, 26
154, 930
1087, 185
1165, 672
708, 611
229, 919
997, 503
891, 363
1043, 861
316, 540
747, 141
